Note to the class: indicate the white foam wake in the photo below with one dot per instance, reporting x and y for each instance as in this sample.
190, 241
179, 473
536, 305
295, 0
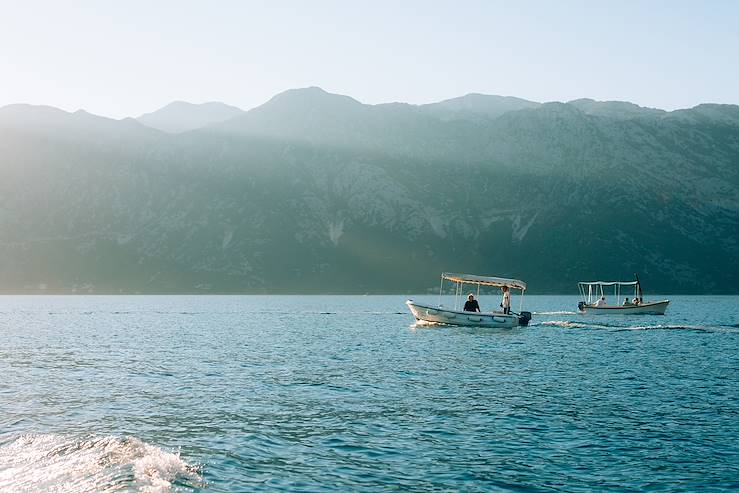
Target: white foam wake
581, 325
566, 324
38, 463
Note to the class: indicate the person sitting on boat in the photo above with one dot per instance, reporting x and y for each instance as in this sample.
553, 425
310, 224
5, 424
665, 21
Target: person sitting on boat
506, 304
637, 301
471, 305
601, 301
627, 302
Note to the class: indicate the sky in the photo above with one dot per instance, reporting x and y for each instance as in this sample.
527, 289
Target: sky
125, 58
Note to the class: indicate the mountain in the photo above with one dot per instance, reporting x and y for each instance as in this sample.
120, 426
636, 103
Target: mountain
332, 121
615, 109
303, 113
39, 119
179, 116
721, 114
477, 106
316, 192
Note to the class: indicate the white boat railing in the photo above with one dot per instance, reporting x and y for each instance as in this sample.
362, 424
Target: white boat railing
459, 279
591, 291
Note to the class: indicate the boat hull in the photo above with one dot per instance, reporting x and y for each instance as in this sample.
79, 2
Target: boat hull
438, 315
647, 308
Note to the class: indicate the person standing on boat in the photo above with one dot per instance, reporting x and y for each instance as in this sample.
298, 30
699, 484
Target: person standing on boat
506, 300
471, 305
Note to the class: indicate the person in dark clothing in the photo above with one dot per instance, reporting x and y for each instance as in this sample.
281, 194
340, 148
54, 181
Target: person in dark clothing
471, 305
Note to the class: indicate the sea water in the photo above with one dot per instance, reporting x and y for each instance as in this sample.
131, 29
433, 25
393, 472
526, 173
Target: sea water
345, 393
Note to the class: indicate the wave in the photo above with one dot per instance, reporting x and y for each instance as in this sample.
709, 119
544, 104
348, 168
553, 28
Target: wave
48, 462
426, 323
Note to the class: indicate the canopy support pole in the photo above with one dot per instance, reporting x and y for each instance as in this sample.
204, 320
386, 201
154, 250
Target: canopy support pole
456, 294
441, 286
520, 305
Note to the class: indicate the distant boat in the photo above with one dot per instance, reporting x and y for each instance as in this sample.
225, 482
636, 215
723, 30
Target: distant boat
594, 299
448, 316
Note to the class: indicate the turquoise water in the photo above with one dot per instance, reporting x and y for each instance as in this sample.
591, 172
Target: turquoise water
331, 393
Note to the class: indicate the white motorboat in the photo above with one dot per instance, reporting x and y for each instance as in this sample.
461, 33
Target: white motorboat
595, 299
428, 313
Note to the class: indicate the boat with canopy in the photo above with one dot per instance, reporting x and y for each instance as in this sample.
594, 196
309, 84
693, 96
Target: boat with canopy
456, 316
594, 299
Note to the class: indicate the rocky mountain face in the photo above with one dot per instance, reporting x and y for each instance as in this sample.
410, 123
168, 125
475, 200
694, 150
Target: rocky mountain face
315, 192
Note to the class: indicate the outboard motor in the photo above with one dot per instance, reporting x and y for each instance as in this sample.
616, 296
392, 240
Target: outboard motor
523, 318
581, 306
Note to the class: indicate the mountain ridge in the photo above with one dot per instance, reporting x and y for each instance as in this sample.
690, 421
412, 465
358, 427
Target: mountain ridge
181, 116
326, 194
471, 106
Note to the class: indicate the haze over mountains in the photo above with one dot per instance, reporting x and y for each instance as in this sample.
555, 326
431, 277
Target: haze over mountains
317, 192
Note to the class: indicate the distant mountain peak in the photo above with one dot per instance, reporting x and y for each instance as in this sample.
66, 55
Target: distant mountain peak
314, 90
25, 108
73, 125
709, 112
308, 113
181, 116
309, 89
310, 96
613, 109
477, 106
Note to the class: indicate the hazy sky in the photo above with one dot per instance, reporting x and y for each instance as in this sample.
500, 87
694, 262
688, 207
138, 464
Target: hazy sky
126, 57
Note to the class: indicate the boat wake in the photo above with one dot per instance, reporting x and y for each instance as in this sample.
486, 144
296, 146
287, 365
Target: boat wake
570, 325
702, 328
47, 462
581, 325
366, 312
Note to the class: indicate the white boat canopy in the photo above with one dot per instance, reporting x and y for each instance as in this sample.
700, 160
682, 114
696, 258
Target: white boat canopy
608, 283
484, 280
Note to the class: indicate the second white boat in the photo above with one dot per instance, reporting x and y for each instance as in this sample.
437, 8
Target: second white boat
594, 300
